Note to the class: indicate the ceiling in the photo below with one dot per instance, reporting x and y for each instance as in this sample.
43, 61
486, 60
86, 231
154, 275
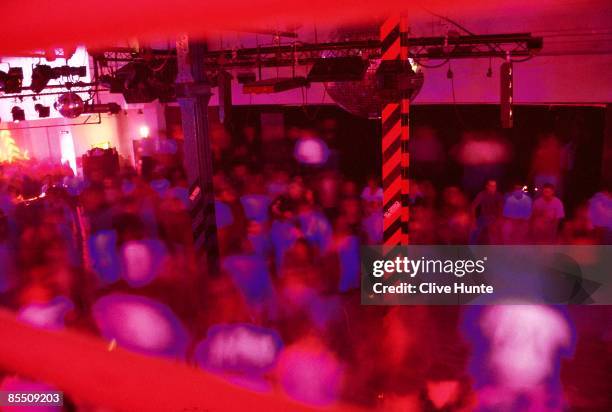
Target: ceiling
33, 25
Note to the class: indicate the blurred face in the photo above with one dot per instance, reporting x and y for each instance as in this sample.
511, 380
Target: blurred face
295, 190
351, 209
518, 191
241, 171
228, 195
548, 193
491, 186
454, 197
301, 252
350, 189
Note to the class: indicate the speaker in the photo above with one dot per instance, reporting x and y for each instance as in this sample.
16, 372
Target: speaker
100, 163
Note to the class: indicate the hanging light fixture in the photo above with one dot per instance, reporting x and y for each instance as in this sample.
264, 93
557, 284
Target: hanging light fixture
43, 111
42, 74
12, 80
18, 114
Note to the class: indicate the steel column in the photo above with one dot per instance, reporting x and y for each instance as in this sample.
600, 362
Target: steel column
194, 94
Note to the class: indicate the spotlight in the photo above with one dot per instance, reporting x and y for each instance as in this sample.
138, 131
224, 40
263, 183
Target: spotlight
18, 114
41, 75
43, 111
12, 81
144, 131
141, 82
112, 108
506, 94
69, 105
66, 71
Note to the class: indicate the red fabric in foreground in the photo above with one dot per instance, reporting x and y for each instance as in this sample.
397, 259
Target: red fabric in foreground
85, 370
35, 24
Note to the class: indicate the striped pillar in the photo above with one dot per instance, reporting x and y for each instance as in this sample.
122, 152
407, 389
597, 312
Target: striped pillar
395, 135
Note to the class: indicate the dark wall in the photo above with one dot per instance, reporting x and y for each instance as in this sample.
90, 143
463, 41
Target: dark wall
358, 143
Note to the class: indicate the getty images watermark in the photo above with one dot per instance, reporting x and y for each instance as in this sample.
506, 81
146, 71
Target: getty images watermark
413, 267
445, 275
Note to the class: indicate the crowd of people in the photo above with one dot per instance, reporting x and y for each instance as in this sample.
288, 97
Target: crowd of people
289, 239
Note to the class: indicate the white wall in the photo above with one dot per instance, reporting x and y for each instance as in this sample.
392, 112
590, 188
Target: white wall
41, 136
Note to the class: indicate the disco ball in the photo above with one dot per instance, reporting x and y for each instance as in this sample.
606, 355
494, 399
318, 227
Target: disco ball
69, 105
364, 98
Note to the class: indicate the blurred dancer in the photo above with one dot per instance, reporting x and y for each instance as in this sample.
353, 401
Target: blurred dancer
483, 156
600, 214
517, 211
548, 162
516, 361
548, 211
427, 155
487, 209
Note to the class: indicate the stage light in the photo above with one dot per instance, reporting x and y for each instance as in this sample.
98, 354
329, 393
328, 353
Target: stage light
140, 83
275, 85
12, 81
43, 111
70, 105
144, 131
18, 114
112, 108
506, 94
67, 71
41, 75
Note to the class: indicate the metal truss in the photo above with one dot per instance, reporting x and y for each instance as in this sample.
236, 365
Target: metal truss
474, 46
295, 54
440, 48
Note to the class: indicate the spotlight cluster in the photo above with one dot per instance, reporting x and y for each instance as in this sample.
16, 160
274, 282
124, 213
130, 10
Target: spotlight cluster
42, 74
12, 81
69, 104
18, 114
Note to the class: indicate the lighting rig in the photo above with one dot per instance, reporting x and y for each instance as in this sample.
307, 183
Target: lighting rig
441, 47
148, 75
330, 61
12, 80
339, 61
139, 77
42, 74
69, 104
